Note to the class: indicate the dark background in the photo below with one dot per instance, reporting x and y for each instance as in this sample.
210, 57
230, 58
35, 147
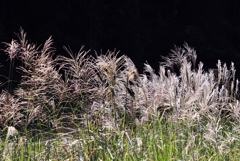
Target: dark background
142, 29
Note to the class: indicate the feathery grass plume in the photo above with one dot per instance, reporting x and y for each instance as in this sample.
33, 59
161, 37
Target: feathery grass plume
113, 78
82, 86
10, 111
175, 59
36, 90
11, 49
79, 73
110, 67
193, 93
167, 82
150, 93
125, 95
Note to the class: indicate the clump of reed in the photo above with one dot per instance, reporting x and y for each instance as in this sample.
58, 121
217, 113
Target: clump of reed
108, 87
66, 93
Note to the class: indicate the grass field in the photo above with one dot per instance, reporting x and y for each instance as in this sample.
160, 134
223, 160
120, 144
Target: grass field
84, 107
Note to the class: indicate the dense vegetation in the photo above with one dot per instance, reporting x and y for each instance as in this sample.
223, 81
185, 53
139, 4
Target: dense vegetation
84, 107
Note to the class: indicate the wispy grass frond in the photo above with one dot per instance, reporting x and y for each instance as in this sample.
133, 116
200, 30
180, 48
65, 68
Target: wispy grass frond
10, 111
36, 89
175, 59
79, 73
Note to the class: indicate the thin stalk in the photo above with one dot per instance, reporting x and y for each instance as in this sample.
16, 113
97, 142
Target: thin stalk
10, 75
